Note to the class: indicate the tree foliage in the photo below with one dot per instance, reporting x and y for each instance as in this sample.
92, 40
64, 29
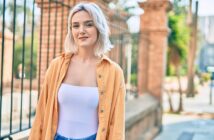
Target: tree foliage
135, 45
27, 56
178, 44
9, 24
177, 41
1, 8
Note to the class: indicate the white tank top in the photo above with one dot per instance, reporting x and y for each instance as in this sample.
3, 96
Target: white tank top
78, 116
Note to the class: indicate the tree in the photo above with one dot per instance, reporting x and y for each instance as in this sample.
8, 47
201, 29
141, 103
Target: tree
27, 56
9, 11
135, 43
192, 48
19, 10
1, 8
177, 41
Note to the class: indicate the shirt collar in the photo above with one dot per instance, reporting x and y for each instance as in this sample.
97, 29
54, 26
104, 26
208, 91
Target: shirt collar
68, 55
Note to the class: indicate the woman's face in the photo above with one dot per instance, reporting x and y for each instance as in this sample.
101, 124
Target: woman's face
83, 29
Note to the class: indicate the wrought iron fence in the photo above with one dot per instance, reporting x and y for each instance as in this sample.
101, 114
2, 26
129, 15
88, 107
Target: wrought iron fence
25, 28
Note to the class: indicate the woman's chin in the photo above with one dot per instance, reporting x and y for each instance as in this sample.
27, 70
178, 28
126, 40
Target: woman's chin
84, 45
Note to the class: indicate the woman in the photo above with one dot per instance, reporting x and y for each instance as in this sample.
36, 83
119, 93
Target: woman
83, 92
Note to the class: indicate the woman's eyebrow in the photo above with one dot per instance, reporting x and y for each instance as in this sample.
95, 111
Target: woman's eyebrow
75, 23
87, 21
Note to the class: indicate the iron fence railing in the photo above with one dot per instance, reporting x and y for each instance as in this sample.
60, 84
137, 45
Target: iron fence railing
19, 117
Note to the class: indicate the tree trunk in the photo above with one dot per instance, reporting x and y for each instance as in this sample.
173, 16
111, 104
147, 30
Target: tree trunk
180, 108
171, 110
192, 51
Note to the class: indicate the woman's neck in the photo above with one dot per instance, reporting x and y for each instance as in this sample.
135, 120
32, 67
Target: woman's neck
85, 55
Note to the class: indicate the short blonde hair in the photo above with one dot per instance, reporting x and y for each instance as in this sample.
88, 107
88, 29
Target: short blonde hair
100, 22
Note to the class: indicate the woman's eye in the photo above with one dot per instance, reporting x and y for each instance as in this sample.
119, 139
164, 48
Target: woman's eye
75, 26
89, 24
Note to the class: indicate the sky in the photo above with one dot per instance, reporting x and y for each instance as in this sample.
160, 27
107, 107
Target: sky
206, 7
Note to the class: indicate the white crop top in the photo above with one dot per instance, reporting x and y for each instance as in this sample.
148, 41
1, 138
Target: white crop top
78, 116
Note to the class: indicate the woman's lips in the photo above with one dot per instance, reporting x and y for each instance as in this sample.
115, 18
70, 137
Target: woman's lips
82, 38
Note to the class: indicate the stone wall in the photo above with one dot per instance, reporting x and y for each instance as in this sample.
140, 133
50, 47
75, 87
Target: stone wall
143, 118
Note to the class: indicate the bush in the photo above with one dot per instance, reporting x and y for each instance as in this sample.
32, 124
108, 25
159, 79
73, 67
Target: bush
27, 57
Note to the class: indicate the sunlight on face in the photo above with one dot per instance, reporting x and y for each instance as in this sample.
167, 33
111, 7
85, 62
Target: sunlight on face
83, 30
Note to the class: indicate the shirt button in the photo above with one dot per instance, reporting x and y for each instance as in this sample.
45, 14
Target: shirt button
54, 127
101, 92
100, 76
103, 129
101, 110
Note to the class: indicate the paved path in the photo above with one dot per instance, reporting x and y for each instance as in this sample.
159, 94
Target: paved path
182, 127
198, 104
196, 122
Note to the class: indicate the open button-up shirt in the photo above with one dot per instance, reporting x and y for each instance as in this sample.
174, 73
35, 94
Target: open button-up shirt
111, 107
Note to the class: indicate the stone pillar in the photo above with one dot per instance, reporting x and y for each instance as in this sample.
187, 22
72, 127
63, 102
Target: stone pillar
143, 61
8, 56
153, 46
53, 32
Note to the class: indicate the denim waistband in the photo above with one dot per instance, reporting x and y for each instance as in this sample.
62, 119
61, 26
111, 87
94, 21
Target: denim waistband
59, 137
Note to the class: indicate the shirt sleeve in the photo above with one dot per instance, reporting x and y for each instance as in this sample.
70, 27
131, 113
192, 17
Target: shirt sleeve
117, 122
36, 130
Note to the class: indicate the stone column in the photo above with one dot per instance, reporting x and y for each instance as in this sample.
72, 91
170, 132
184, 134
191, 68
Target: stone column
153, 46
8, 56
52, 32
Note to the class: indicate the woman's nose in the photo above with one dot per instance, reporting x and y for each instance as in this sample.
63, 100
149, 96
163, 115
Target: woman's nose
82, 29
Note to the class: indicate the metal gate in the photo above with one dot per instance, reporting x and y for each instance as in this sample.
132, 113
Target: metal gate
22, 28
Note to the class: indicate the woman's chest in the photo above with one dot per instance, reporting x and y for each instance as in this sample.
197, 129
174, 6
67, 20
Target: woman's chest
81, 75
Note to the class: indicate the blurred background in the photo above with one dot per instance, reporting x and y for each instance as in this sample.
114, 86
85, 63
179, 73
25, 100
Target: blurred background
165, 48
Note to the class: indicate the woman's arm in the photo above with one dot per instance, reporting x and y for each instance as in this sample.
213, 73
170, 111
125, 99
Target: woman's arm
117, 122
36, 130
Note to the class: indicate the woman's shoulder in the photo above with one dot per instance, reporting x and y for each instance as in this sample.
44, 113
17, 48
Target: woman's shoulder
54, 62
113, 65
117, 71
59, 59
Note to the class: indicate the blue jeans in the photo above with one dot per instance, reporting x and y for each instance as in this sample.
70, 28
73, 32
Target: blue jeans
59, 137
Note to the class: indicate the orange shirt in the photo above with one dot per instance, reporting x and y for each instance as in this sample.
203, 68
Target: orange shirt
111, 107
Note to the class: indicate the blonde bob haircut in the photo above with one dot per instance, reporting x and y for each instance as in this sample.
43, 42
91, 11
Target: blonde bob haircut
100, 22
